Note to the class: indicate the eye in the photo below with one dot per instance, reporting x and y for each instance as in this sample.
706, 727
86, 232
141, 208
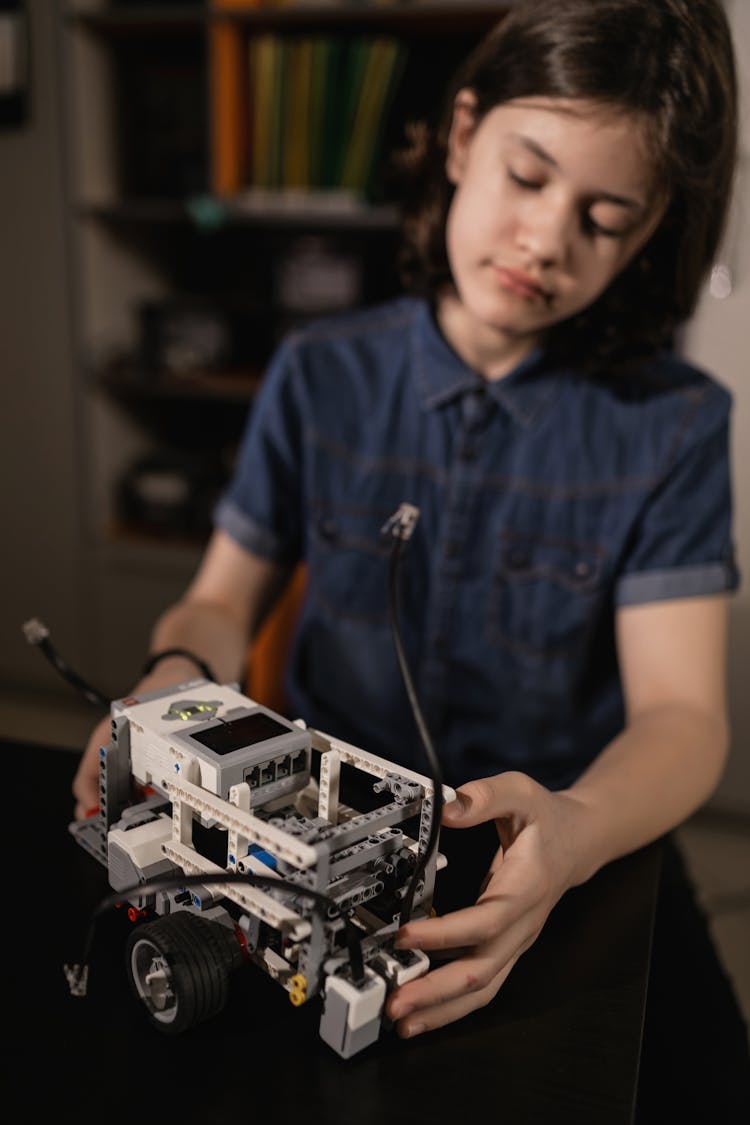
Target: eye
595, 228
530, 185
594, 221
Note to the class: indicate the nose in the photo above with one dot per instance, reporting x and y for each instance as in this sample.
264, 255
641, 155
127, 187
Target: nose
545, 229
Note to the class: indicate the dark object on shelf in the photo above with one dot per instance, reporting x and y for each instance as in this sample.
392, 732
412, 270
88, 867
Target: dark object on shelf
171, 493
161, 116
315, 276
188, 337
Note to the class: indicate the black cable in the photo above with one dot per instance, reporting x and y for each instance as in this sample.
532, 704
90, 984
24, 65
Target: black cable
38, 634
400, 526
156, 657
323, 904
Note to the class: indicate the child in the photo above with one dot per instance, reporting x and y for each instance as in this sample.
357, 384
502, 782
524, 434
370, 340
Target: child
564, 593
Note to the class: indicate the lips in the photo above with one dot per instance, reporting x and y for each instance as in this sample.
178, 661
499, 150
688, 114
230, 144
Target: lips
515, 281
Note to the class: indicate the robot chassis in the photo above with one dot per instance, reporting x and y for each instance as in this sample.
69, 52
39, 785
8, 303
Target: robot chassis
203, 756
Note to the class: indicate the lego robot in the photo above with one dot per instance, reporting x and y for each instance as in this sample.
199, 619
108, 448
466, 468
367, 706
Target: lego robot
220, 823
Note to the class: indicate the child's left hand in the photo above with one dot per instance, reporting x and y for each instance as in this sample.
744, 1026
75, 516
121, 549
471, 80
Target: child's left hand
535, 865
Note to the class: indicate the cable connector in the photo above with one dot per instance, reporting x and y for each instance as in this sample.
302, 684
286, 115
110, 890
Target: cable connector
402, 523
35, 631
77, 977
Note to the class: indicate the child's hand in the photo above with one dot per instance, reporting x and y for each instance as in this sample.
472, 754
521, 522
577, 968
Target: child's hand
530, 873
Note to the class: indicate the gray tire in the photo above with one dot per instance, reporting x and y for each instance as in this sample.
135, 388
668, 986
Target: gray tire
179, 967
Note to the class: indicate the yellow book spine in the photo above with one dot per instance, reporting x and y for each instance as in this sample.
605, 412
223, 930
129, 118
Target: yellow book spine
296, 159
261, 82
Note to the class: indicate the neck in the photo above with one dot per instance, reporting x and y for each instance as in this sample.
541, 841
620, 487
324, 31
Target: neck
490, 351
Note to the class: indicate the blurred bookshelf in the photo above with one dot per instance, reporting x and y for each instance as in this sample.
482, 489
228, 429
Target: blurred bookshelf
227, 180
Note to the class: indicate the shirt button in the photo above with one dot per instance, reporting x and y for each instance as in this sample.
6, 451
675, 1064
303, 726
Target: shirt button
583, 569
452, 549
518, 559
469, 453
327, 528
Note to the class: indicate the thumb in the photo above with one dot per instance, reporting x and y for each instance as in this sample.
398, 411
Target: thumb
489, 798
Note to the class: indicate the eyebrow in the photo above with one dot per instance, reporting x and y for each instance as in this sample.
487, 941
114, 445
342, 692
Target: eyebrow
610, 197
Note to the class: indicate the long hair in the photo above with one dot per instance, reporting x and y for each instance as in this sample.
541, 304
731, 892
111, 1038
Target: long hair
669, 63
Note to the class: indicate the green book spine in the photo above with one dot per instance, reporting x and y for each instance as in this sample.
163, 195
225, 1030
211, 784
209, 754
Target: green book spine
332, 113
350, 90
320, 65
365, 126
280, 54
374, 165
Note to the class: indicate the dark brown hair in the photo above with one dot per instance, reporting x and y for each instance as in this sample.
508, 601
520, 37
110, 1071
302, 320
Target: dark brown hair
668, 62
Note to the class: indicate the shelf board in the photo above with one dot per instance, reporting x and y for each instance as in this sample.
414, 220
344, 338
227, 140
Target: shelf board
225, 386
156, 18
280, 209
406, 19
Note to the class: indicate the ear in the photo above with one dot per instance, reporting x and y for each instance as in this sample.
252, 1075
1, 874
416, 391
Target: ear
462, 128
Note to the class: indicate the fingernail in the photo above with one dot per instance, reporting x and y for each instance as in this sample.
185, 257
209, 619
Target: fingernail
456, 806
413, 1029
401, 1010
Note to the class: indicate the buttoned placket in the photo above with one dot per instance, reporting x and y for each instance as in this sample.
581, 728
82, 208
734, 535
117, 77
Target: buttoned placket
454, 547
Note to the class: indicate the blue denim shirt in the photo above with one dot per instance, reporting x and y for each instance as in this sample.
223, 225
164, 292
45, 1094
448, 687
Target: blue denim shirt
547, 499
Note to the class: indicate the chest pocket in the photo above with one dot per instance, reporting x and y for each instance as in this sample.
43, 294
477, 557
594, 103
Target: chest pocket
546, 595
349, 563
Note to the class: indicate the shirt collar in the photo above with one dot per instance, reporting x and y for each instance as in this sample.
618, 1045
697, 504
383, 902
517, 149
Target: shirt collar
442, 376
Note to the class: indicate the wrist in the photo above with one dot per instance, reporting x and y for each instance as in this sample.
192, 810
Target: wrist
177, 657
585, 855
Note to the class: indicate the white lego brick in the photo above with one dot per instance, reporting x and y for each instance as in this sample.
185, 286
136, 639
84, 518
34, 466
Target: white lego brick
143, 844
398, 973
251, 898
363, 1005
330, 776
275, 840
276, 967
239, 796
253, 866
372, 764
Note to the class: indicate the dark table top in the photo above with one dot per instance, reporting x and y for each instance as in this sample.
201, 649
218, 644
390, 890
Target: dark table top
560, 1043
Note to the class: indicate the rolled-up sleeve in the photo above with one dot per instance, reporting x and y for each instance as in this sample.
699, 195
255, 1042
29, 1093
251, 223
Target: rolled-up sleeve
261, 507
683, 545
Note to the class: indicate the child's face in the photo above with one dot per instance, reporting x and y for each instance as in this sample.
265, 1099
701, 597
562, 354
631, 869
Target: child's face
552, 201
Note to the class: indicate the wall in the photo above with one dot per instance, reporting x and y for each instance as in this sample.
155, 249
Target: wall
717, 338
41, 559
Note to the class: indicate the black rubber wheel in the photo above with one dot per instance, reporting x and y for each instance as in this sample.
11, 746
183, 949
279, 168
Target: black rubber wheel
179, 967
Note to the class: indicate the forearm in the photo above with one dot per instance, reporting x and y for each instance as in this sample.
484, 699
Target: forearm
219, 614
658, 771
206, 629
